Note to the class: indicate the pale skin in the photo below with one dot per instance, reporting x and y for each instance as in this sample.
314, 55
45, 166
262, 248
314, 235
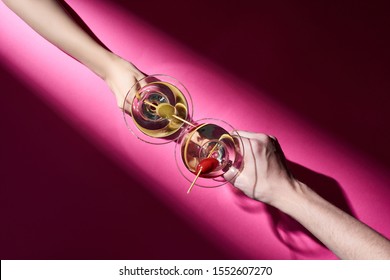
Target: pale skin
265, 176
49, 19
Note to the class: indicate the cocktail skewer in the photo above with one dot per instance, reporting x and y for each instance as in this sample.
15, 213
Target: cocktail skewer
183, 120
209, 164
213, 149
219, 143
150, 104
193, 182
206, 165
166, 110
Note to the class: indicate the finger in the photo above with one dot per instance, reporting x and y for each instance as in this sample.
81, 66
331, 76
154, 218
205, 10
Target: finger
272, 137
249, 134
256, 135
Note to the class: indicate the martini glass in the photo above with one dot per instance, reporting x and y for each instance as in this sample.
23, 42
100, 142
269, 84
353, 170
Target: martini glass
209, 153
157, 108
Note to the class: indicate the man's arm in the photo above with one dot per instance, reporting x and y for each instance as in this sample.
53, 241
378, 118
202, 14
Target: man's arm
265, 177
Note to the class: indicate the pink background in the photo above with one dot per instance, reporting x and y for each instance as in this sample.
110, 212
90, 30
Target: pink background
76, 184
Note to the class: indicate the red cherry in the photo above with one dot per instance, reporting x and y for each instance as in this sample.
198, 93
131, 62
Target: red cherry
208, 165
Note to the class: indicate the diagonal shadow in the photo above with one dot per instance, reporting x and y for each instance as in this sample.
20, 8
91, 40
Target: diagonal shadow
61, 198
81, 22
288, 230
92, 224
328, 61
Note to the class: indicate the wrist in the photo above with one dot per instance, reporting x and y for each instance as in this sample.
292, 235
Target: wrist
120, 75
291, 197
117, 66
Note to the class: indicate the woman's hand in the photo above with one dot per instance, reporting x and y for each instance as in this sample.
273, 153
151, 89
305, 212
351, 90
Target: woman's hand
50, 19
120, 76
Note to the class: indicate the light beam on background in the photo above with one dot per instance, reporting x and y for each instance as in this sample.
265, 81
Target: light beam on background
85, 101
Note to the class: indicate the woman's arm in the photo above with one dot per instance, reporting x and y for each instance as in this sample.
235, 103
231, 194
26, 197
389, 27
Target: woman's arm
265, 177
50, 20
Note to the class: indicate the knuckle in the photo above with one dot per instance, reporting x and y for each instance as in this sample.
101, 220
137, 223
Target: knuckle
258, 146
262, 137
